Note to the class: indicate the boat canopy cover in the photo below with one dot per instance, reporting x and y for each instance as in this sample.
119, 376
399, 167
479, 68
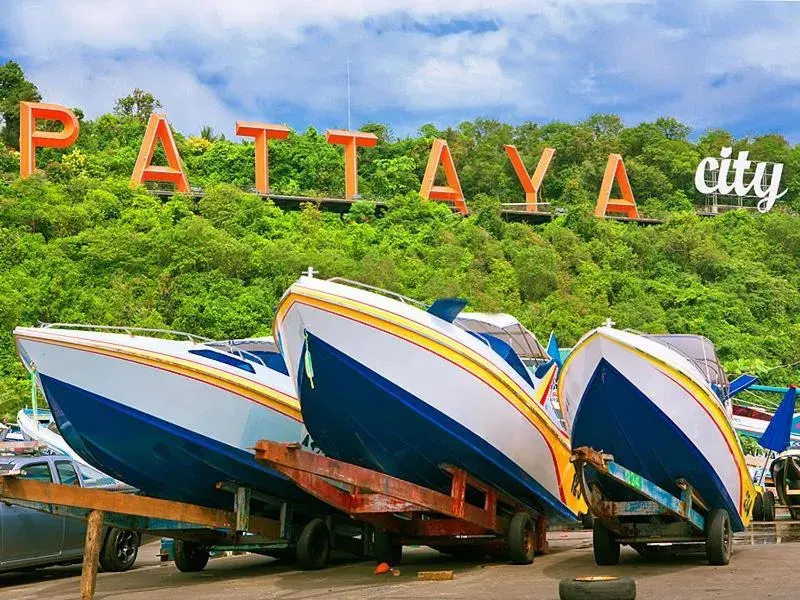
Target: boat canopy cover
506, 352
506, 328
265, 349
700, 352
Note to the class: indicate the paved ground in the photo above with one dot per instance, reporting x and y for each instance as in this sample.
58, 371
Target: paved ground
764, 566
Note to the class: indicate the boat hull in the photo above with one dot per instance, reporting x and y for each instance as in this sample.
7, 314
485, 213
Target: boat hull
656, 420
378, 395
158, 424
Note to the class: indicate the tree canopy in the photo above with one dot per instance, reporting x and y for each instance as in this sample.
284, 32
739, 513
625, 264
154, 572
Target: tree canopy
79, 244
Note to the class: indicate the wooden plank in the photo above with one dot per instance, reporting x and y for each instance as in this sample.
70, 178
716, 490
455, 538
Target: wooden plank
435, 575
129, 504
91, 554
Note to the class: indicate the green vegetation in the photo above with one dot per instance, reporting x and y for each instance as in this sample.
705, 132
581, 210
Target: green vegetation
78, 244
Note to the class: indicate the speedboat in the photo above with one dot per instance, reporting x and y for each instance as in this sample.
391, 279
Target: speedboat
659, 405
785, 471
392, 385
173, 416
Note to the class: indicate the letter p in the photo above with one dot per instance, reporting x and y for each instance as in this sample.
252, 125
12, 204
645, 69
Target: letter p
30, 138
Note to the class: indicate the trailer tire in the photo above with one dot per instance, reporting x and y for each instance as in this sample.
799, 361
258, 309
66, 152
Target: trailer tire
190, 557
387, 547
604, 545
719, 537
119, 550
769, 505
597, 588
521, 539
313, 545
587, 520
795, 513
758, 507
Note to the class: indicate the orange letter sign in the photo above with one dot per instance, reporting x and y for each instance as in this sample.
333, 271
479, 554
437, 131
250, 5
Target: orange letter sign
30, 139
263, 132
350, 140
615, 169
440, 153
530, 184
158, 129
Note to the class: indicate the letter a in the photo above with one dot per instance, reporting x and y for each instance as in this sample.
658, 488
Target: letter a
158, 130
615, 169
530, 184
440, 153
30, 139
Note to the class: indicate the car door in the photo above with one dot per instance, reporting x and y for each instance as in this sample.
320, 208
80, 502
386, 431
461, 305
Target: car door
74, 529
30, 536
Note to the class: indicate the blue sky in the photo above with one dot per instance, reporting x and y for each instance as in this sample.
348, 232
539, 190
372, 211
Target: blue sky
729, 64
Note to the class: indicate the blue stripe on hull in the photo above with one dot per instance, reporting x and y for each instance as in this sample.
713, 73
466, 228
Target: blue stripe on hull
616, 417
354, 414
157, 457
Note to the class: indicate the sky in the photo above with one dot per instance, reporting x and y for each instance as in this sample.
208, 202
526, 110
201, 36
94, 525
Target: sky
729, 64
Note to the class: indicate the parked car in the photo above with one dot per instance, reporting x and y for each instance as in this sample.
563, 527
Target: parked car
36, 539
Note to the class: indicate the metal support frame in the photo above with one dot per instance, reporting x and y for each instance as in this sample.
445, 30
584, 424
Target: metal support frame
417, 514
674, 518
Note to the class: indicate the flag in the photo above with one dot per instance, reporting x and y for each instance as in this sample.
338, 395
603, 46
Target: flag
776, 437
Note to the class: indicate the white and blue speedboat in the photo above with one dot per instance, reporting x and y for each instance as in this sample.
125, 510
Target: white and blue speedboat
171, 417
392, 385
659, 404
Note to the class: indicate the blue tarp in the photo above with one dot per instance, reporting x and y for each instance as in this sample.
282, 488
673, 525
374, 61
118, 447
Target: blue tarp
776, 437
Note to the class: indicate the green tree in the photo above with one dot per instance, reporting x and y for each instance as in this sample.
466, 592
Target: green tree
14, 88
139, 105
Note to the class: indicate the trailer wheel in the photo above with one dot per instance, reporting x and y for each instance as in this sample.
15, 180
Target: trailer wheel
605, 545
313, 545
587, 520
521, 539
719, 537
758, 507
769, 505
387, 547
190, 557
597, 588
795, 513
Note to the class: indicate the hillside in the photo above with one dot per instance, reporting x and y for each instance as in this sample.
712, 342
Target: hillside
78, 244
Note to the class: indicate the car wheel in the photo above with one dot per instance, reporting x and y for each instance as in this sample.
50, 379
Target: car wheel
120, 550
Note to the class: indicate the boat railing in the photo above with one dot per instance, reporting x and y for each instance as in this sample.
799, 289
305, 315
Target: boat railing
129, 330
381, 291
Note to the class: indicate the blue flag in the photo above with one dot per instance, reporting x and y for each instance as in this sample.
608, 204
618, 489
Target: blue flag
776, 437
552, 349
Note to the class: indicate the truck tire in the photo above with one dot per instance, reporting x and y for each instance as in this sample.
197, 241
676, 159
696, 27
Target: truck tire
605, 545
119, 550
521, 539
719, 537
597, 588
190, 557
313, 545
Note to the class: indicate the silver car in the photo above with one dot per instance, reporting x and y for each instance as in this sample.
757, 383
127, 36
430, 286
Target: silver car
35, 539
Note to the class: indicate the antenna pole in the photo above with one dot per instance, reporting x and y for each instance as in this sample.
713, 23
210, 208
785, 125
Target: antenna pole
348, 94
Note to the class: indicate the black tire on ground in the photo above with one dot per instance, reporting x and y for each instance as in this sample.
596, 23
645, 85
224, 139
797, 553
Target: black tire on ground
605, 545
795, 513
387, 547
758, 507
190, 557
719, 537
313, 545
597, 588
587, 520
119, 550
769, 505
521, 539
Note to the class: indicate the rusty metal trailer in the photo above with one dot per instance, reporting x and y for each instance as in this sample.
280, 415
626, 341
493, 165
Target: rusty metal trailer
653, 522
473, 519
196, 529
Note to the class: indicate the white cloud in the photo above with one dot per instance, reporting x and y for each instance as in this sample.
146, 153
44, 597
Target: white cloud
213, 61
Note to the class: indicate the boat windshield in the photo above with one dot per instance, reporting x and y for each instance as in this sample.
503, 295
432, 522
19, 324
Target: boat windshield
506, 328
700, 352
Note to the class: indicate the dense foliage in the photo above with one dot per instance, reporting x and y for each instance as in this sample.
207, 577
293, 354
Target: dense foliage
79, 244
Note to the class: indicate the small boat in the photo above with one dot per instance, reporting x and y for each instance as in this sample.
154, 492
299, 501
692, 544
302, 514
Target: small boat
171, 417
752, 421
659, 405
785, 471
392, 385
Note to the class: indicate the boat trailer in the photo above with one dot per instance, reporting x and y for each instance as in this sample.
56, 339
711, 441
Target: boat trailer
197, 530
474, 519
650, 519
